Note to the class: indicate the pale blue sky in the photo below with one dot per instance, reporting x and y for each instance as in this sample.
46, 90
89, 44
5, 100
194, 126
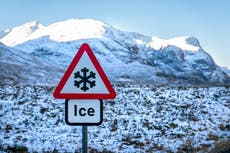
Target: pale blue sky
207, 20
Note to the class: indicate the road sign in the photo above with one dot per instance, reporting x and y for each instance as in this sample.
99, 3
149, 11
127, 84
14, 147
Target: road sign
84, 78
83, 112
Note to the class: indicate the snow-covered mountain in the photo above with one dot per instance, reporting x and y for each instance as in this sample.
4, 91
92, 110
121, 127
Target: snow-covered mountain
19, 67
125, 56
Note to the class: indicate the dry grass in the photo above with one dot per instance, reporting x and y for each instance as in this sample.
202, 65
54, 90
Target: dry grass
222, 147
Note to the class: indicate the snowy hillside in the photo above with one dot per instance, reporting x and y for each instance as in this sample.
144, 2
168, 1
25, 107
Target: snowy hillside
19, 67
140, 119
125, 56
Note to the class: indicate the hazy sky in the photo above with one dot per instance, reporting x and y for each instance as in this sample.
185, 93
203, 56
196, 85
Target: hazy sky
207, 20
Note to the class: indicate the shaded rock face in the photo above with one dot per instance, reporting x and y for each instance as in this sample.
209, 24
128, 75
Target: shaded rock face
196, 68
193, 41
18, 67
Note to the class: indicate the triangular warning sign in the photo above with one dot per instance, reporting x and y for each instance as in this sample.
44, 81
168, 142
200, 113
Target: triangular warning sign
84, 78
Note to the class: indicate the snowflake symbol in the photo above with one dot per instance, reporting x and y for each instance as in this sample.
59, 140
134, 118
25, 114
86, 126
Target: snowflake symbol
84, 79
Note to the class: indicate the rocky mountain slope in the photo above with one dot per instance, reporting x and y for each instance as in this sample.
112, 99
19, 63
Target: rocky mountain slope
125, 56
19, 67
226, 70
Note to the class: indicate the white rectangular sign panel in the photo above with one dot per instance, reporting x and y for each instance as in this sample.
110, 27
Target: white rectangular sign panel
83, 112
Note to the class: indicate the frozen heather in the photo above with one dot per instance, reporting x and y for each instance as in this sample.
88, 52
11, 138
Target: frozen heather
142, 118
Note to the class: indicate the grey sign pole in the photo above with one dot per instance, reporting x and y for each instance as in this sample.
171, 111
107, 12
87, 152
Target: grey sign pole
84, 139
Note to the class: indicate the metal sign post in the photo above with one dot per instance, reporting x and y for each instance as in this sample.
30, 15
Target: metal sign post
86, 113
84, 139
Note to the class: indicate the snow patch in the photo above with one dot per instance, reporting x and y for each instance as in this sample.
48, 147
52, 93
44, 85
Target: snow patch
15, 35
180, 42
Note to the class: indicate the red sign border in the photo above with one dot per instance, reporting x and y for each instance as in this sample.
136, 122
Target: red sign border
84, 48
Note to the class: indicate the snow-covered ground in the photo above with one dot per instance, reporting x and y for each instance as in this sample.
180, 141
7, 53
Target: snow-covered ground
142, 118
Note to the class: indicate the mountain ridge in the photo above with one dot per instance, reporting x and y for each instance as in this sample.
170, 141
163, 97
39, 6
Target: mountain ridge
124, 55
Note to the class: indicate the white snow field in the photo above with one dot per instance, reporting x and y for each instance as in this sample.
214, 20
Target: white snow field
142, 118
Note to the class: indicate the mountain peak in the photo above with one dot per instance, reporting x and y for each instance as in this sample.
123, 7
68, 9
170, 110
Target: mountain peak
70, 30
14, 35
